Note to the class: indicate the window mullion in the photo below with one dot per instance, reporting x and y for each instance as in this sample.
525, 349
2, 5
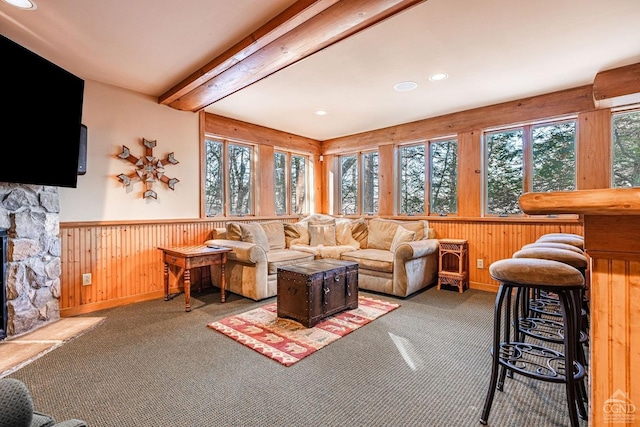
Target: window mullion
527, 160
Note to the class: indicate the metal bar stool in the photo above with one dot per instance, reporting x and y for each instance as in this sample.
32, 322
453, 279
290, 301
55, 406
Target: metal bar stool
540, 316
532, 360
546, 304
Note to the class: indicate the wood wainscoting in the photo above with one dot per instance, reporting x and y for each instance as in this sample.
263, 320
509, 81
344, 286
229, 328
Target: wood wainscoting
493, 239
126, 266
124, 261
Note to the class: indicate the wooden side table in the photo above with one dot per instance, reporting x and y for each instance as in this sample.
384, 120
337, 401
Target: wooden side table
453, 263
188, 257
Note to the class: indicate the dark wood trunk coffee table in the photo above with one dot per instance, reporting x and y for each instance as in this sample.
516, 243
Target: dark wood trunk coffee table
311, 291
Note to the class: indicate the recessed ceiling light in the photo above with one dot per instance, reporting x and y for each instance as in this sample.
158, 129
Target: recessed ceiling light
439, 76
405, 86
22, 4
321, 113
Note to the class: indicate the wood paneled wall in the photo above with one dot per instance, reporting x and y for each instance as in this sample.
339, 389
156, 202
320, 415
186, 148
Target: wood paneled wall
492, 240
126, 265
124, 260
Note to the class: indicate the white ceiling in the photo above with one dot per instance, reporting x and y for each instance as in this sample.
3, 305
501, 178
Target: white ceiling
493, 50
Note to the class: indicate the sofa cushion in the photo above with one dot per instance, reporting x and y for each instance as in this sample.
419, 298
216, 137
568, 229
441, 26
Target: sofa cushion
254, 233
321, 252
371, 259
381, 234
402, 236
322, 232
275, 234
283, 257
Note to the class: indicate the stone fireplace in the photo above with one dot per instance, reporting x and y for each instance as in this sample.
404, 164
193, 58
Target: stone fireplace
30, 216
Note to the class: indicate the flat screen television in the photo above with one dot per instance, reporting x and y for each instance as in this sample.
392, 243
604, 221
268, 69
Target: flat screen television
40, 121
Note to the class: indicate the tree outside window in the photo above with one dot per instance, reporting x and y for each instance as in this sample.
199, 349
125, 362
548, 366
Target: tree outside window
349, 184
214, 181
370, 186
290, 183
412, 179
358, 183
280, 184
554, 157
240, 180
626, 149
228, 178
443, 157
537, 158
299, 201
505, 173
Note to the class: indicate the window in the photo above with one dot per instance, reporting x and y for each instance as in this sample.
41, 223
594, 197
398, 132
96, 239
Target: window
280, 184
370, 183
349, 185
626, 149
359, 185
537, 158
443, 160
228, 178
412, 179
441, 171
290, 183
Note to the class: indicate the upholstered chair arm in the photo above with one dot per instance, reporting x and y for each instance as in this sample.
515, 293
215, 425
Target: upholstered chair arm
417, 249
242, 251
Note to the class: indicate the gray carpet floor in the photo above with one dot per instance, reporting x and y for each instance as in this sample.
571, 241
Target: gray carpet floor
151, 364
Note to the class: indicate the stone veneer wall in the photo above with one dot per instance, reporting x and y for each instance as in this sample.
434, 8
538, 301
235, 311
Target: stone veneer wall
30, 213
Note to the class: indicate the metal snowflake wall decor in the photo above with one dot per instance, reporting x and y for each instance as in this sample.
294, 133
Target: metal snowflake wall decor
148, 169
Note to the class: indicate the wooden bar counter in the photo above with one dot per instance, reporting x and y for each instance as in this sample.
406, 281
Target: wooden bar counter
612, 239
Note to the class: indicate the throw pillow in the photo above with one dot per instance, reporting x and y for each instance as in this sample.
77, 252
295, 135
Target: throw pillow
296, 234
233, 231
343, 233
360, 231
254, 233
322, 233
275, 234
419, 226
402, 236
381, 233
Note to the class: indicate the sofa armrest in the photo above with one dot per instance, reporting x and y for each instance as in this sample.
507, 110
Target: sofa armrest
242, 251
416, 249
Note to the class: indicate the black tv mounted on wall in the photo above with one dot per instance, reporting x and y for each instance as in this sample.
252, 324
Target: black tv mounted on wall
40, 121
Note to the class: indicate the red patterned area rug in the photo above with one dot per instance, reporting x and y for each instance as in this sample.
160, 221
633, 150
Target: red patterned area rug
287, 341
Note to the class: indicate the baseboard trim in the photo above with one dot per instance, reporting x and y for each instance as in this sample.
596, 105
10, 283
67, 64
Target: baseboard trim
90, 308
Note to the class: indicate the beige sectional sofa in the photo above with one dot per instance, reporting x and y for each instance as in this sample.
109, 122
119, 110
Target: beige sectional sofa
394, 257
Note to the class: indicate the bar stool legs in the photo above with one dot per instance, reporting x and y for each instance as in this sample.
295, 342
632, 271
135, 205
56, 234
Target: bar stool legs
528, 359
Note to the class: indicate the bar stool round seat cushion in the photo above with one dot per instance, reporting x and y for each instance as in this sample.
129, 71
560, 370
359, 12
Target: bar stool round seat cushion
572, 235
577, 242
556, 245
534, 272
572, 258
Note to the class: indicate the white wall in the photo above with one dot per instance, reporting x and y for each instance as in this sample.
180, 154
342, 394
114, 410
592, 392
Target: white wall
117, 117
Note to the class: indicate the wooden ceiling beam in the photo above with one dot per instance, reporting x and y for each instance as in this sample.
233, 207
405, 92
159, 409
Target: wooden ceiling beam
293, 16
303, 29
617, 87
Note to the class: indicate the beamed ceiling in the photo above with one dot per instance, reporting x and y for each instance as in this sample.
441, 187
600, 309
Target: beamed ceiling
275, 63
